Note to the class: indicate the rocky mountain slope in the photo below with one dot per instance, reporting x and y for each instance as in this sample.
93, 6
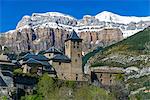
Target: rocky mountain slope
131, 51
132, 54
42, 30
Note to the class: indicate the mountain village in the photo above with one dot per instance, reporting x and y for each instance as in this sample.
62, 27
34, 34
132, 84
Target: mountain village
107, 51
65, 65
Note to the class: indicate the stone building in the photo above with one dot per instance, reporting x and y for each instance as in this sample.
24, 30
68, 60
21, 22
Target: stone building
6, 76
35, 64
105, 75
73, 49
68, 65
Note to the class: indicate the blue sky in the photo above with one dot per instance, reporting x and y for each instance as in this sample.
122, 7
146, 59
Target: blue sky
11, 11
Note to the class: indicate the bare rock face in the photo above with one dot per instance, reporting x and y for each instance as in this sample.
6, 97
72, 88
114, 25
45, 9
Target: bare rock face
43, 30
41, 38
101, 38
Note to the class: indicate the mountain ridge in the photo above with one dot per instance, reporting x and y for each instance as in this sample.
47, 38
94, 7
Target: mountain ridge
53, 27
128, 25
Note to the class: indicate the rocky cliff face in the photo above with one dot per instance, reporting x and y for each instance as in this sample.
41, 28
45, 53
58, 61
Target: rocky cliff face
40, 31
42, 38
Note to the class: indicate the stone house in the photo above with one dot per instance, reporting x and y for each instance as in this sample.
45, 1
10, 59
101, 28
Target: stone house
6, 83
33, 66
6, 76
36, 64
105, 75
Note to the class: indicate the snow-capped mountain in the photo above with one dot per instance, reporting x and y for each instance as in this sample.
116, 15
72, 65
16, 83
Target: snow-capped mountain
111, 17
42, 18
128, 24
42, 30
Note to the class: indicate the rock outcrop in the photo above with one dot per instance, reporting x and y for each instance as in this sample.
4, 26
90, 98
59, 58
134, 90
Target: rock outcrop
40, 31
42, 38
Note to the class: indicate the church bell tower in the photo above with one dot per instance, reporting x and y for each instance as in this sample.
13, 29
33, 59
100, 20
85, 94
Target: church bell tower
73, 49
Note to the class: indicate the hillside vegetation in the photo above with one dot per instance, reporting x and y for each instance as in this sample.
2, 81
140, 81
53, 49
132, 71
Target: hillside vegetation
54, 89
132, 54
131, 51
138, 42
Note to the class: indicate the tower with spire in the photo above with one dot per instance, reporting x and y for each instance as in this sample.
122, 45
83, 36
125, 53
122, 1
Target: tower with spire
73, 49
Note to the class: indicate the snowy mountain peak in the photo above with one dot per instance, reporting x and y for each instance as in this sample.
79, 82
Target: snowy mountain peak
42, 18
128, 24
106, 13
26, 16
111, 17
52, 14
87, 16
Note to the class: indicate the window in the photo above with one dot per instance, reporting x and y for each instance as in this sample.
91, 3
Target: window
78, 42
75, 60
76, 76
101, 80
100, 75
74, 44
110, 81
59, 63
110, 75
79, 55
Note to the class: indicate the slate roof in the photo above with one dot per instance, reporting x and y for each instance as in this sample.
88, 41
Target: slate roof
73, 36
25, 80
45, 63
2, 82
53, 50
9, 63
33, 61
38, 57
7, 73
60, 58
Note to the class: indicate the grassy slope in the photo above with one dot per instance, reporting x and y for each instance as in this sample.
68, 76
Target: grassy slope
135, 42
134, 45
90, 54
